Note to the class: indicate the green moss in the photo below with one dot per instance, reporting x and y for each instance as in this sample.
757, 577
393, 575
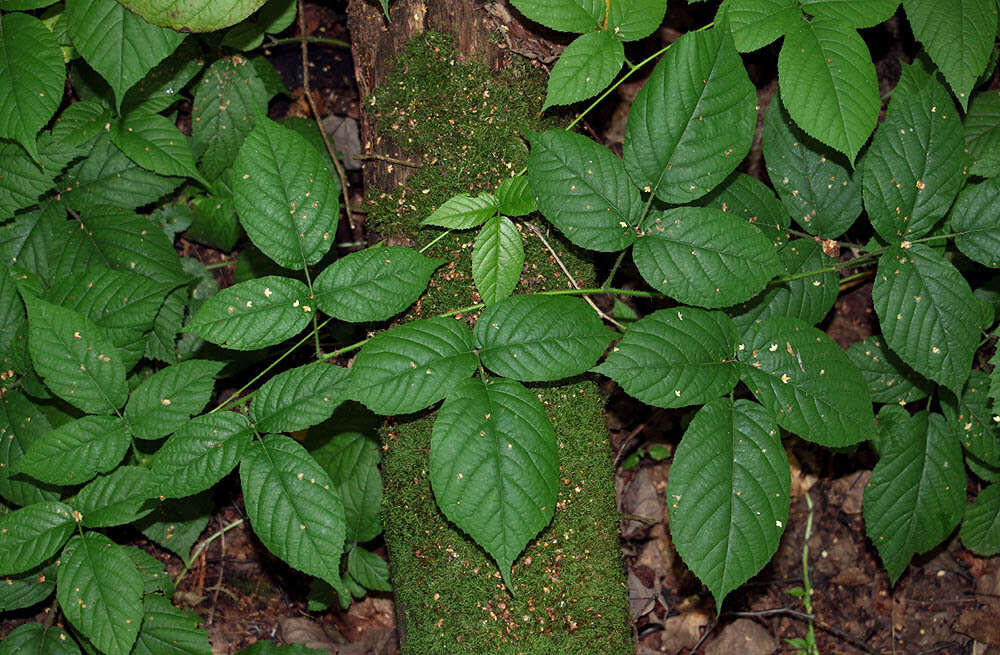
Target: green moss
571, 595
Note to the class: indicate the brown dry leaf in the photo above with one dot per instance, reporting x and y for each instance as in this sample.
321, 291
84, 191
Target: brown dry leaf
982, 624
641, 499
309, 633
852, 576
849, 491
641, 599
683, 630
742, 636
376, 641
368, 614
801, 482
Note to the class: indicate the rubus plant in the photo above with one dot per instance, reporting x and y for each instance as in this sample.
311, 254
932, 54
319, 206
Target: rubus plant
112, 343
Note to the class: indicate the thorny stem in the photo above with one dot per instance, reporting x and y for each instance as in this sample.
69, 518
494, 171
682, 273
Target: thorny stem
202, 546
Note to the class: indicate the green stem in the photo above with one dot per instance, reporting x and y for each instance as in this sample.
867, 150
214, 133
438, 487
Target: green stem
337, 43
435, 240
201, 548
212, 267
614, 269
842, 244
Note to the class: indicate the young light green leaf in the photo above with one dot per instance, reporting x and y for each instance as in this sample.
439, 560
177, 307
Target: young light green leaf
828, 84
982, 134
32, 534
368, 569
515, 197
927, 312
154, 142
807, 298
494, 466
958, 36
285, 195
915, 164
38, 639
540, 338
675, 357
728, 493
299, 398
227, 102
200, 453
373, 284
497, 259
412, 366
807, 382
916, 494
814, 182
887, 377
585, 68
117, 43
75, 452
21, 179
100, 592
754, 202
577, 16
254, 314
705, 257
75, 357
176, 524
107, 178
32, 75
115, 499
855, 13
974, 219
631, 20
702, 86
166, 400
293, 507
352, 461
980, 530
22, 423
582, 189
462, 211
756, 23
26, 589
167, 630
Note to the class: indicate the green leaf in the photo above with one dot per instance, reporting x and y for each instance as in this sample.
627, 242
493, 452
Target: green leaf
215, 223
368, 569
203, 451
754, 202
270, 648
108, 177
814, 182
373, 284
412, 366
462, 211
958, 36
494, 466
28, 241
21, 423
915, 165
497, 259
675, 357
115, 499
352, 461
540, 338
582, 189
177, 524
927, 312
515, 197
75, 452
100, 592
916, 494
888, 378
972, 419
285, 195
154, 142
198, 16
277, 15
27, 589
167, 630
117, 43
585, 68
980, 531
855, 13
705, 257
81, 121
32, 534
154, 576
166, 400
807, 298
299, 398
227, 101
728, 494
75, 357
982, 134
254, 314
32, 75
21, 180
162, 86
161, 343
631, 20
38, 639
131, 242
702, 86
828, 84
974, 219
756, 23
807, 382
564, 15
293, 507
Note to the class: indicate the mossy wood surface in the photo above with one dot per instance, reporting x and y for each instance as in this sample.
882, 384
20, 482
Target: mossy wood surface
466, 126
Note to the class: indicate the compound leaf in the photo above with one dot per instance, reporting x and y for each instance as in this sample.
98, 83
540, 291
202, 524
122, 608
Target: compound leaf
32, 534
564, 15
728, 493
26, 589
980, 530
755, 23
168, 398
754, 202
116, 498
982, 134
585, 68
888, 378
167, 630
462, 211
856, 13
631, 20
154, 142
38, 639
494, 466
22, 423
974, 219
497, 259
21, 179
368, 569
200, 453
352, 461
75, 452
515, 197
177, 524
299, 398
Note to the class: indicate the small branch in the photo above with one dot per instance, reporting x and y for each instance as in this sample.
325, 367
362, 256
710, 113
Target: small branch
337, 43
391, 160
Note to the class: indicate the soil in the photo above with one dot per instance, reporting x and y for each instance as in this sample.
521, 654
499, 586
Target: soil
947, 601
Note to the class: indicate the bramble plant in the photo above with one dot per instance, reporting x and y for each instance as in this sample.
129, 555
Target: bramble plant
112, 343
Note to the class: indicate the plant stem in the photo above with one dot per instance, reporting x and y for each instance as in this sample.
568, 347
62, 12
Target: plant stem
202, 546
337, 43
212, 267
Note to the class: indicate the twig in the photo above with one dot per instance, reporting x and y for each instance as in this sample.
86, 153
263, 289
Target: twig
825, 627
391, 160
569, 275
